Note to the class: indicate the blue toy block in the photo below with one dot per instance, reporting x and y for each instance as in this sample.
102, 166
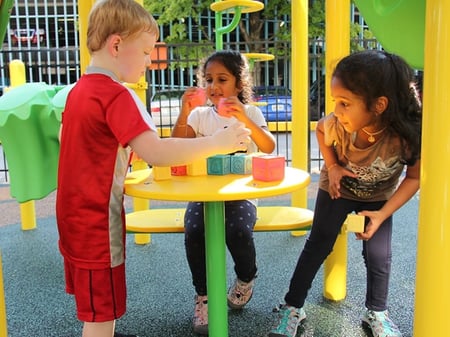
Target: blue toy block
219, 165
241, 163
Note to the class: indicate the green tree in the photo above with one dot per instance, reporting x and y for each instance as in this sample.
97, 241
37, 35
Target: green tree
174, 14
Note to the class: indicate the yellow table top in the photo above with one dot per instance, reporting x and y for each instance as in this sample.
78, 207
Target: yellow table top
213, 187
137, 177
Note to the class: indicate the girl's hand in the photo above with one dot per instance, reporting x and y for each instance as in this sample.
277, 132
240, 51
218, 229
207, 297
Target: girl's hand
193, 97
335, 174
376, 219
231, 107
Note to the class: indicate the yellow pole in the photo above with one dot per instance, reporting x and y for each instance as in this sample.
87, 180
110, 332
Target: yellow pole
433, 247
17, 73
337, 37
27, 209
3, 322
300, 132
84, 8
140, 204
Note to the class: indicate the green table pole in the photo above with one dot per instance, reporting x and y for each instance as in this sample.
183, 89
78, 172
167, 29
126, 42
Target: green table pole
216, 269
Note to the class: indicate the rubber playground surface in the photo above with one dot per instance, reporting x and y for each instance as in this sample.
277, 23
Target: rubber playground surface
160, 294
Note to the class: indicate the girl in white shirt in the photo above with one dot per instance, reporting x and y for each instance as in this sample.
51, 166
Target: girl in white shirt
226, 78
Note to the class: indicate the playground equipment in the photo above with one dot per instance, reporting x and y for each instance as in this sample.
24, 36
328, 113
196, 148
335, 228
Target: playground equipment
217, 299
29, 129
3, 325
5, 11
398, 25
5, 7
433, 259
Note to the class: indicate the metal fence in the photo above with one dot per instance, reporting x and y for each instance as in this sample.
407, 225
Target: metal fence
44, 35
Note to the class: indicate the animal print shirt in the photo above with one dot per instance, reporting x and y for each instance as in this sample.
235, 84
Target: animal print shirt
378, 166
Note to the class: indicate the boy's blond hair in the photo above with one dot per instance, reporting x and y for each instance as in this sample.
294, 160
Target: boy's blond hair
122, 17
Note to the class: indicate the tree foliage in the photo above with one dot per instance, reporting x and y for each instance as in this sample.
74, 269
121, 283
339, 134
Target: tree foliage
174, 14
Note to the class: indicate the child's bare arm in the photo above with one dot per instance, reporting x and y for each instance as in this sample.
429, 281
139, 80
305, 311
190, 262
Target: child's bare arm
177, 151
260, 135
181, 128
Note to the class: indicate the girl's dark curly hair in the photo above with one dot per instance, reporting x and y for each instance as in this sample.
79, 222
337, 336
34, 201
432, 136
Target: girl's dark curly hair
237, 65
371, 74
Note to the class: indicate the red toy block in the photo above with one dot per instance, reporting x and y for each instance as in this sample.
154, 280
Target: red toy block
268, 168
178, 170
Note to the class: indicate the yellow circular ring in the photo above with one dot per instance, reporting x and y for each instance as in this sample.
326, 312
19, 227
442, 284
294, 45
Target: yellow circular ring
249, 6
259, 103
259, 57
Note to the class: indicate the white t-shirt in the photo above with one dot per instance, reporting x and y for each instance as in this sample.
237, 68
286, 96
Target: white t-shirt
205, 121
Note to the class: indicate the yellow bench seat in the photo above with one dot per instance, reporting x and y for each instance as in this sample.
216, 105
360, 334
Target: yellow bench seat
171, 220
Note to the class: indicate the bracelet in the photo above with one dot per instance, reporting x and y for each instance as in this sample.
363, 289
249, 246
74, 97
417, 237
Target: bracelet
181, 125
331, 166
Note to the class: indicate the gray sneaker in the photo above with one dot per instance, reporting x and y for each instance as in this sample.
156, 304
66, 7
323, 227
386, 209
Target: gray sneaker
289, 319
240, 293
380, 324
200, 320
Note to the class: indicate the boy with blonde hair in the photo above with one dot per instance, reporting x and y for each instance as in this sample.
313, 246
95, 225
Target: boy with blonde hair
102, 122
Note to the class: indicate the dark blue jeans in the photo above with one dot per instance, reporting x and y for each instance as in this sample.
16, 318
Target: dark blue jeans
240, 219
329, 216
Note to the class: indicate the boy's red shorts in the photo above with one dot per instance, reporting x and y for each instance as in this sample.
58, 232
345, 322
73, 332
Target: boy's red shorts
100, 294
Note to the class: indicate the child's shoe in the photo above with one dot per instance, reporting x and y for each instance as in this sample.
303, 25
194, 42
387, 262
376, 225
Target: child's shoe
240, 293
200, 320
289, 319
380, 324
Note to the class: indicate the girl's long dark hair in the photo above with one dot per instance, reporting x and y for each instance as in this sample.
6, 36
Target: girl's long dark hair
237, 65
372, 74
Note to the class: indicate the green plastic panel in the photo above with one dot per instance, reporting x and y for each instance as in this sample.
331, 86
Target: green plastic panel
399, 25
29, 129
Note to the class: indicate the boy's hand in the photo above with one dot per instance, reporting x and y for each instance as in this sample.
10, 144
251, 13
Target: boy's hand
231, 139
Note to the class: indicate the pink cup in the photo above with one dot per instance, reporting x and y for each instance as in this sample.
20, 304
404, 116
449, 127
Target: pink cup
222, 108
199, 98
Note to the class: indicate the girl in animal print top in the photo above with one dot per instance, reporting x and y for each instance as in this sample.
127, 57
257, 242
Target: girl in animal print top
373, 133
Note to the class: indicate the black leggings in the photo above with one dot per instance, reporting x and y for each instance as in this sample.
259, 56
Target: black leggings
240, 218
329, 216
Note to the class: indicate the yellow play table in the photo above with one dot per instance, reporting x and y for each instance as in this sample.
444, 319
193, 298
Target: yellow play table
214, 190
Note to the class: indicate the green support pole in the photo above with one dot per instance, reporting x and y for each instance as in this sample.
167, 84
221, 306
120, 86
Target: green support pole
216, 269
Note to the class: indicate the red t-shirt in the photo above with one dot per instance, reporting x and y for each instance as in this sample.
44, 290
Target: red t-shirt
100, 117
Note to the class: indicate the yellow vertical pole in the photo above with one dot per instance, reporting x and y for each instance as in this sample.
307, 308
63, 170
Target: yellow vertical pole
84, 8
337, 37
28, 215
300, 131
141, 204
27, 209
3, 322
433, 247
